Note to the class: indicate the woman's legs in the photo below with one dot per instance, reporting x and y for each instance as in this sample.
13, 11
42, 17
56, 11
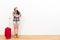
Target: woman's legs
16, 30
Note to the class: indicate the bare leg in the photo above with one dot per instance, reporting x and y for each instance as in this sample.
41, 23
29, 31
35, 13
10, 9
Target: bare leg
16, 30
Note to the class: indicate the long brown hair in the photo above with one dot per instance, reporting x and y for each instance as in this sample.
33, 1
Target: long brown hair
18, 12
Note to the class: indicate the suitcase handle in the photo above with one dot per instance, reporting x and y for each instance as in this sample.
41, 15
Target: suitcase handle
9, 21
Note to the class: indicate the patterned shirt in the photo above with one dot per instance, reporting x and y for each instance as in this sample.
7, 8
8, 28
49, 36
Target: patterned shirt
16, 18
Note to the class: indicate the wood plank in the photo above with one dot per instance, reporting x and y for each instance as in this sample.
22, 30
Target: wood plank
33, 37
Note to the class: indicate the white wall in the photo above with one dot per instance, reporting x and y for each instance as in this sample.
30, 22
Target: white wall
39, 17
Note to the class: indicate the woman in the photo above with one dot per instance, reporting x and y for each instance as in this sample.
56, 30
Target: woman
16, 19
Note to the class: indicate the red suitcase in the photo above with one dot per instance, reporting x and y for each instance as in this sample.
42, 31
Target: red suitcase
8, 33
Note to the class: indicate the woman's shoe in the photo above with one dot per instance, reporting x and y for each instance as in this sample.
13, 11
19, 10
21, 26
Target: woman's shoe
16, 35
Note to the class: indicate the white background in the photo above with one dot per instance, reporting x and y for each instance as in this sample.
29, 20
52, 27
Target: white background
39, 17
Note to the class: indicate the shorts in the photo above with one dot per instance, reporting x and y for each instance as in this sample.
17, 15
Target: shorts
16, 22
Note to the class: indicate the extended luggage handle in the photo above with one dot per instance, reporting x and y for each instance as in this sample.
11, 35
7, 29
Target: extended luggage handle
9, 21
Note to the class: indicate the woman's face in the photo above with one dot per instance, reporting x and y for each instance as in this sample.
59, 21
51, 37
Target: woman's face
16, 8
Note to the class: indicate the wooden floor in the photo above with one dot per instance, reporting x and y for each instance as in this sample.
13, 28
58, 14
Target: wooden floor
34, 37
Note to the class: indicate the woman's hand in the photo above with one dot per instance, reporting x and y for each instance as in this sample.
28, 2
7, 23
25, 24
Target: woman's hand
18, 15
